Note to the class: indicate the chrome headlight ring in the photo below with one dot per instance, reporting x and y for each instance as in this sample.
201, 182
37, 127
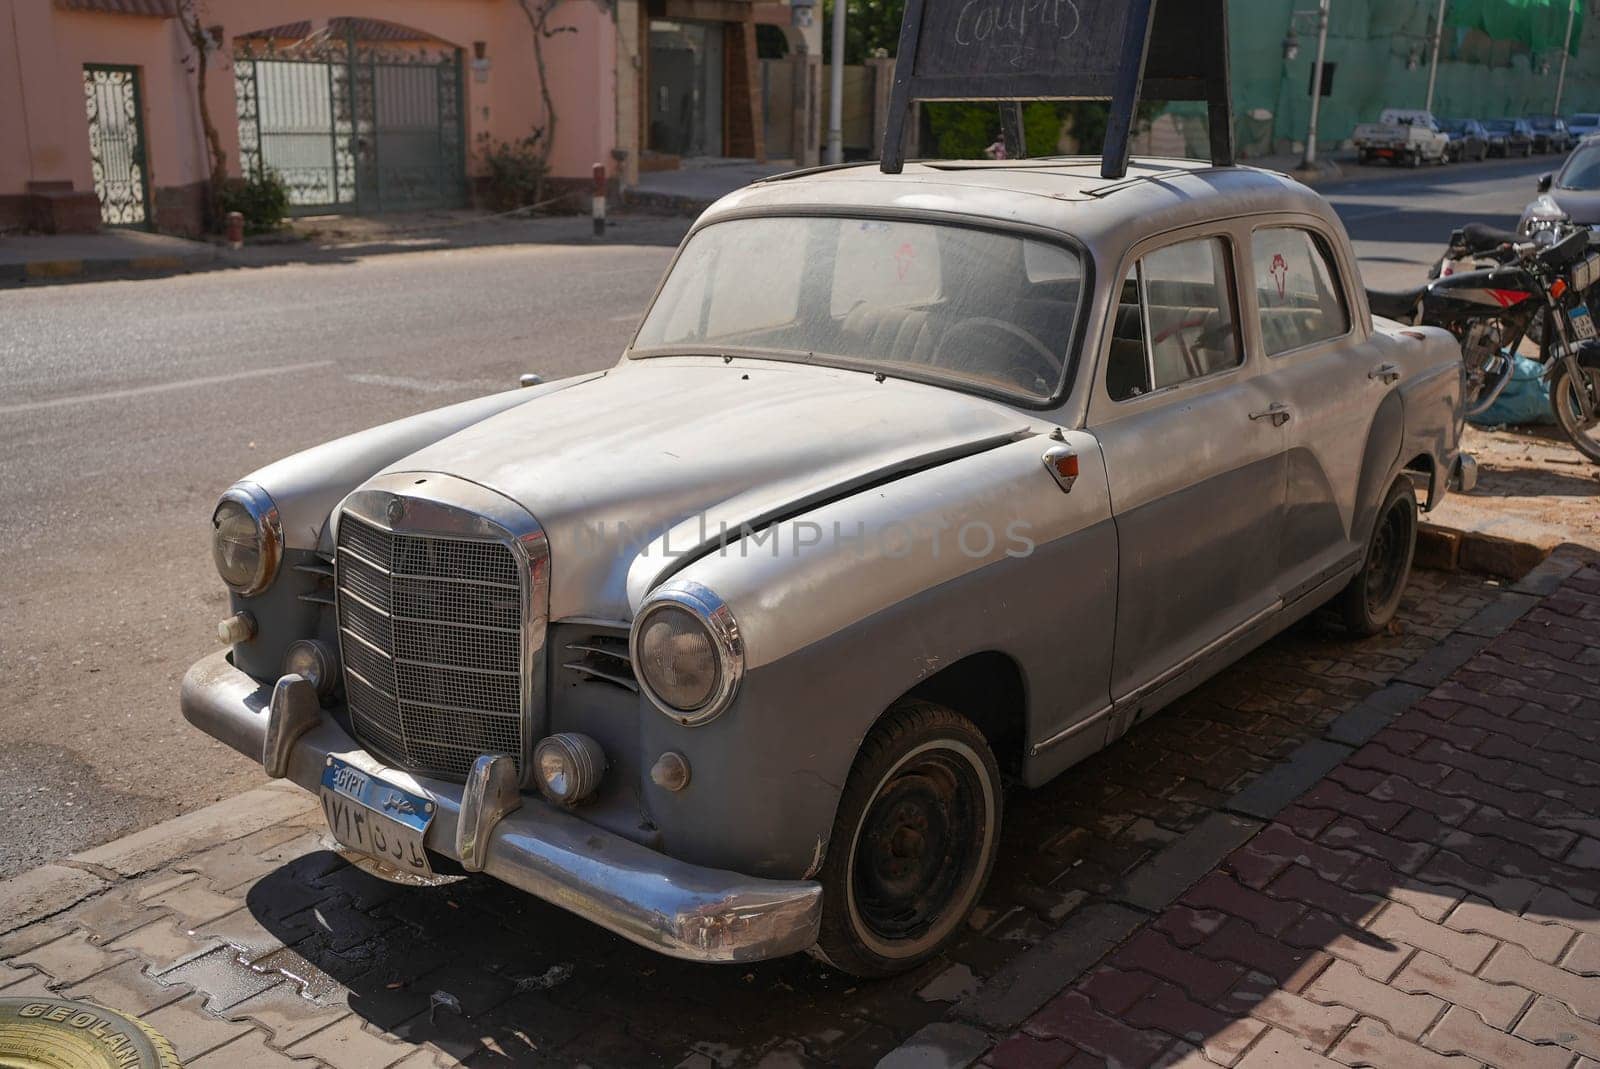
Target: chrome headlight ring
722, 632
260, 507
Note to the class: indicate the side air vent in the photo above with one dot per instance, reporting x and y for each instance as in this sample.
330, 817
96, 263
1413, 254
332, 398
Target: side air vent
601, 659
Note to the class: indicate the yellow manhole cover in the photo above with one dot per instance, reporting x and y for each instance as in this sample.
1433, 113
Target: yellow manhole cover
58, 1033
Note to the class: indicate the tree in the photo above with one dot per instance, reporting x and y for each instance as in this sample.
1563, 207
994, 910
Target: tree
869, 26
202, 40
539, 13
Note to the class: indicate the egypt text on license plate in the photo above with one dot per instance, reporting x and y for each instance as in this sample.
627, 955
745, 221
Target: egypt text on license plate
371, 816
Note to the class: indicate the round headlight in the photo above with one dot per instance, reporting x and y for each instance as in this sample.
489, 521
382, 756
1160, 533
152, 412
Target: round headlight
687, 653
246, 540
312, 660
568, 767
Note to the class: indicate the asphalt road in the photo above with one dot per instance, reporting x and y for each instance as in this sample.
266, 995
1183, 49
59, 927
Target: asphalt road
126, 407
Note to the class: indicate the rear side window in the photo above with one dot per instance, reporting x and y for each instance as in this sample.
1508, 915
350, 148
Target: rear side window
1297, 290
1176, 320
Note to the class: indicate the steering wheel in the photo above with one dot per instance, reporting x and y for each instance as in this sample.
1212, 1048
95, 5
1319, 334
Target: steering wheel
1023, 376
1176, 330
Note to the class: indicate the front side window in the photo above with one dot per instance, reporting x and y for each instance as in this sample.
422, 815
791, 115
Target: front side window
1582, 170
1299, 300
1176, 320
984, 308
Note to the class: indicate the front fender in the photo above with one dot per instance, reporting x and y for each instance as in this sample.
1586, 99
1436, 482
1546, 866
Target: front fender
846, 609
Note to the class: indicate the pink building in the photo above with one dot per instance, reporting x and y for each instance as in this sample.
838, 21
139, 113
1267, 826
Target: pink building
360, 105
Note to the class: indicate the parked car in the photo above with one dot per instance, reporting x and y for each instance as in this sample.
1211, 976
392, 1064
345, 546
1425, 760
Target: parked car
1584, 124
1570, 195
732, 648
1404, 137
1550, 133
1468, 139
1509, 137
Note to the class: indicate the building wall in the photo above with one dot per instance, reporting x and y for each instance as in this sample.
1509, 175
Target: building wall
44, 129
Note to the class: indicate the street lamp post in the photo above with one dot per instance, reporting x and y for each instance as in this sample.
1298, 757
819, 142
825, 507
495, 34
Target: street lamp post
1310, 159
1566, 53
836, 88
1433, 67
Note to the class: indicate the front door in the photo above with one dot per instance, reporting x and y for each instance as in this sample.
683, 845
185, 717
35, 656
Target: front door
1194, 455
1328, 381
686, 73
116, 144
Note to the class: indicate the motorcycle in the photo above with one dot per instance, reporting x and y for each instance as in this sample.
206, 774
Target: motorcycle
1515, 285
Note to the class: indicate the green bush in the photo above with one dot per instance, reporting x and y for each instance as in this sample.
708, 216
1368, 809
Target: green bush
962, 131
514, 171
262, 199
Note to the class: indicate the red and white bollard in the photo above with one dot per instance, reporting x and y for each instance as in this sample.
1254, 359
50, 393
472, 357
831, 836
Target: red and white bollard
233, 224
599, 200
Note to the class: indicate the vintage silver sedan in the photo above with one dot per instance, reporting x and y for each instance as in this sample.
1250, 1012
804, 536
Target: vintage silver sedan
909, 487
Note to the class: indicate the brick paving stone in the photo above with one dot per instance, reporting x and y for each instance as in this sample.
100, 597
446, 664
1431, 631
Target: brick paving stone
193, 902
1222, 1037
71, 958
1318, 1024
128, 988
1463, 1032
1513, 965
1402, 924
1072, 1017
191, 1029
1406, 1015
1291, 968
1543, 941
1497, 1004
348, 1044
286, 1015
1203, 978
1280, 1050
10, 974
1553, 907
1584, 955
1026, 1052
250, 1051
1548, 1021
1370, 1044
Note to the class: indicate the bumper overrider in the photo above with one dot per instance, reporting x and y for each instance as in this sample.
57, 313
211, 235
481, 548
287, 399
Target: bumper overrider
679, 909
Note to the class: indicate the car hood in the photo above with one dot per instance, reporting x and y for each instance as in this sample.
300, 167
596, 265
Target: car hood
1583, 205
634, 474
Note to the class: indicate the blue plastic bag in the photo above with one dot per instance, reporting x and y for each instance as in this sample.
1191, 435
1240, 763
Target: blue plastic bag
1526, 398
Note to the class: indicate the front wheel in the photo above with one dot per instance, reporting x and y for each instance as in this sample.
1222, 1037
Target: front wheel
913, 843
1569, 414
1372, 597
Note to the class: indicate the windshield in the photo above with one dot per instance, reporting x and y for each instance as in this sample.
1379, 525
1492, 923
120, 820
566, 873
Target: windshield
1582, 170
975, 307
1585, 120
1453, 126
1543, 124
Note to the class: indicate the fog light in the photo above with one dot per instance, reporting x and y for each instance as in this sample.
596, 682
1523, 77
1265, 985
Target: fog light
315, 661
240, 627
568, 767
670, 772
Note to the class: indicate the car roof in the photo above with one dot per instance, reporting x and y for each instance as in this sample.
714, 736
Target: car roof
1065, 194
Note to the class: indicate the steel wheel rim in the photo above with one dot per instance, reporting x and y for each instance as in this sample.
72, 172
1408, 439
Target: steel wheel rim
910, 885
1386, 563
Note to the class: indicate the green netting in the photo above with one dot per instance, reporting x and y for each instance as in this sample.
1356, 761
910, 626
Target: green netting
1539, 24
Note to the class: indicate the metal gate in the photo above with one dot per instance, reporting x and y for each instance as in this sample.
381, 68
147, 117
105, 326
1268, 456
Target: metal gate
116, 144
352, 127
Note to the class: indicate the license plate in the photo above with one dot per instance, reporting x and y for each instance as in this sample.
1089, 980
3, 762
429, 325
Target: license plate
1582, 323
374, 817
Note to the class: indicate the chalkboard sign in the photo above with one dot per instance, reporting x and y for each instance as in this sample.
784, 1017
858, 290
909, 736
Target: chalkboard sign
1019, 50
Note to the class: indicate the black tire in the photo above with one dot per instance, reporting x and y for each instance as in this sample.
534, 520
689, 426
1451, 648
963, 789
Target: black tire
1564, 402
924, 777
1372, 597
59, 1033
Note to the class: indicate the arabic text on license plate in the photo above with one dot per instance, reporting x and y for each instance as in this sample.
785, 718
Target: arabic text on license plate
1582, 323
376, 818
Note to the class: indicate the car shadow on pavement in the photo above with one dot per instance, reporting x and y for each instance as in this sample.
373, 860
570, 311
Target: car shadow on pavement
477, 966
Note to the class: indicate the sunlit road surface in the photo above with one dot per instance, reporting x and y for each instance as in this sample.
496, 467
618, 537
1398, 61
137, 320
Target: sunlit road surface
126, 407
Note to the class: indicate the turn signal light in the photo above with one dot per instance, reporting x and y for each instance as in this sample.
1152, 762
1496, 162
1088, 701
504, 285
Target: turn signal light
1062, 464
1558, 287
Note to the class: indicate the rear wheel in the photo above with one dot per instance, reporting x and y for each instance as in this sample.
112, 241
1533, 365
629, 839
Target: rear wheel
913, 842
1564, 400
1372, 598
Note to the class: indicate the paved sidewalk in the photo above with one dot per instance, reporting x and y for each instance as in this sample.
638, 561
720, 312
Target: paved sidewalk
108, 254
1434, 901
250, 944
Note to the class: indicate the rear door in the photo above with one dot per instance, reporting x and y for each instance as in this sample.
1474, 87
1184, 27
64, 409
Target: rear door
1194, 458
1318, 363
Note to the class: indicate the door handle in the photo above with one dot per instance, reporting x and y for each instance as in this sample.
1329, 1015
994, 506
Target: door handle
1389, 373
1277, 412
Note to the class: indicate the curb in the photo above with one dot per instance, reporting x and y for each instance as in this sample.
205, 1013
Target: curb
43, 272
1452, 549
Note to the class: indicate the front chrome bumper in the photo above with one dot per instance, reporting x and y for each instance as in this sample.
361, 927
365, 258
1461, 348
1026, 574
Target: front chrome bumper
656, 901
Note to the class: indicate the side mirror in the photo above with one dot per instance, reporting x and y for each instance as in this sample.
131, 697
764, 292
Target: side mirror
1545, 182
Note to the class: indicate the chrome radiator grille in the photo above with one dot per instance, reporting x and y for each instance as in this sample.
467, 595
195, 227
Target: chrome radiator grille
431, 630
